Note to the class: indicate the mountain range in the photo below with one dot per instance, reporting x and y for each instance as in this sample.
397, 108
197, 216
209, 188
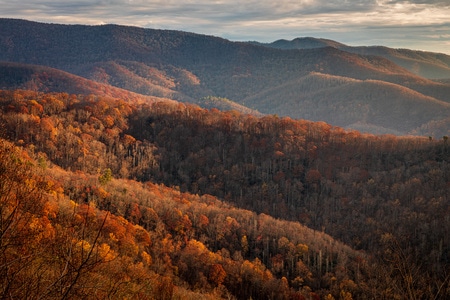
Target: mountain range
372, 89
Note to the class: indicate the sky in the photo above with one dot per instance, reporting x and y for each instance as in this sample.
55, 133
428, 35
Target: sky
413, 24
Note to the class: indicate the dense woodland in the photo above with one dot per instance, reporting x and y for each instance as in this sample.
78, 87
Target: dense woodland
127, 199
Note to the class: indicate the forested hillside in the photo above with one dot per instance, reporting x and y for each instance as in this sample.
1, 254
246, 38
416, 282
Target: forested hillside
128, 199
190, 68
75, 235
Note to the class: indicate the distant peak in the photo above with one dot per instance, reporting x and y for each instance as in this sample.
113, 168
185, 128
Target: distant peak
305, 43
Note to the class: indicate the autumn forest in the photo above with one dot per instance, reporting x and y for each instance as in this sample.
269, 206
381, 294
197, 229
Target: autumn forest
106, 193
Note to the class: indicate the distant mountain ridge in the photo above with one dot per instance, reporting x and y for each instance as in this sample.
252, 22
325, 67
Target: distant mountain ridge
303, 43
407, 108
190, 67
45, 79
427, 64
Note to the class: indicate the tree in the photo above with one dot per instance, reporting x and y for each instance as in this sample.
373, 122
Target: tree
217, 274
105, 177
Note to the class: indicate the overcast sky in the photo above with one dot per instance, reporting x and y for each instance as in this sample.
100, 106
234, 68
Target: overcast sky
414, 24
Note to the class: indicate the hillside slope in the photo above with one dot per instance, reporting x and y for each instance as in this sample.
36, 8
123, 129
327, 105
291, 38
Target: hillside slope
351, 103
45, 79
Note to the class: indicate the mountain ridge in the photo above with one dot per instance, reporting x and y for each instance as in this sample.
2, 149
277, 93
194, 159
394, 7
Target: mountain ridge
423, 63
360, 106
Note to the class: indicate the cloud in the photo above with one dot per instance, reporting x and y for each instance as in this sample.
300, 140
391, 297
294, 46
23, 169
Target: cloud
444, 3
396, 23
